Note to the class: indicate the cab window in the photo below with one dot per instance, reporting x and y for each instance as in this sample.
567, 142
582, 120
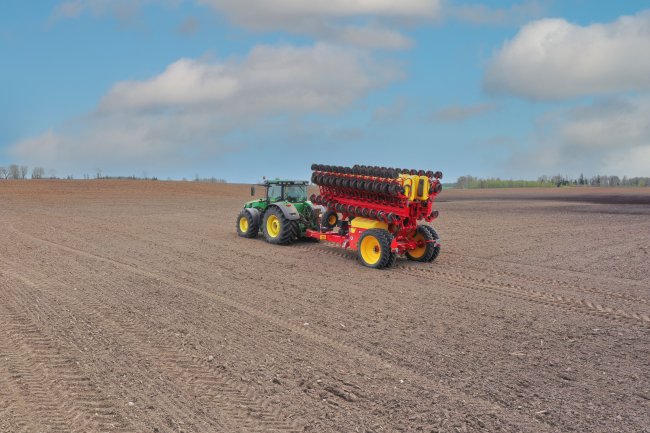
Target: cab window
295, 193
275, 192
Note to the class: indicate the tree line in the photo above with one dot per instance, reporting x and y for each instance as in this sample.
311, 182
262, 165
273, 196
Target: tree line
15, 171
469, 182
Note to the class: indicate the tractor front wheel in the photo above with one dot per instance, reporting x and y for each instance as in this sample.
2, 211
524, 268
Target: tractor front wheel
277, 228
374, 248
247, 227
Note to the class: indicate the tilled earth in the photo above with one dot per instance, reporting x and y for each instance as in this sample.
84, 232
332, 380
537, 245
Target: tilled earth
134, 307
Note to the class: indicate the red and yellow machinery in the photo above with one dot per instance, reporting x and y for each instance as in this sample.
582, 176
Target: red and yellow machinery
378, 211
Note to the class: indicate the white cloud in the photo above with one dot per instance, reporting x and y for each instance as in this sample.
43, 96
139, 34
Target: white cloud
274, 14
270, 79
187, 111
554, 59
612, 136
370, 36
362, 23
365, 23
459, 113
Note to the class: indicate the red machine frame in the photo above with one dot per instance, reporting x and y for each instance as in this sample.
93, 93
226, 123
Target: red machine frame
405, 213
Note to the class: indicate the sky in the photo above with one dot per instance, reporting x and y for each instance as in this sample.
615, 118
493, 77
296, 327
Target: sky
240, 89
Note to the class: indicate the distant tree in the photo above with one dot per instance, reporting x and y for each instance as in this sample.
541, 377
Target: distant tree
38, 173
52, 173
4, 173
14, 172
23, 170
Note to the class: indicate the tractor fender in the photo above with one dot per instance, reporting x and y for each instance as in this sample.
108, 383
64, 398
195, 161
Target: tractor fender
255, 214
289, 212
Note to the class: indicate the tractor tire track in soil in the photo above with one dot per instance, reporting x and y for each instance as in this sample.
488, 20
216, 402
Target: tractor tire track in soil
477, 406
504, 289
46, 379
199, 379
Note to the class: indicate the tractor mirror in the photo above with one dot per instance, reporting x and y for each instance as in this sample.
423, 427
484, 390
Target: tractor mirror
252, 191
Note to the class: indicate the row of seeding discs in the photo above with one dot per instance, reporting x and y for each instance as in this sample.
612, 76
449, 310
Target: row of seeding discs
356, 211
374, 171
385, 187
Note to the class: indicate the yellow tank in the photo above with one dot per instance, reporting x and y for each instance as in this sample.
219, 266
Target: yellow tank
366, 223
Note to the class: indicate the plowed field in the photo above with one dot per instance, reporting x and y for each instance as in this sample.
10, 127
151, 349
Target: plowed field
135, 307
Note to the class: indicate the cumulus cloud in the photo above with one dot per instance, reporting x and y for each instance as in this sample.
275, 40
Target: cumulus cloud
362, 23
554, 59
365, 23
610, 136
459, 113
187, 111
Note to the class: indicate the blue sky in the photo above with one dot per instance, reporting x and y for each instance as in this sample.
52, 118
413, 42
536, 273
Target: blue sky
240, 89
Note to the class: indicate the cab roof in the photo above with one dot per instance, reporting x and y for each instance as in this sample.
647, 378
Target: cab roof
283, 182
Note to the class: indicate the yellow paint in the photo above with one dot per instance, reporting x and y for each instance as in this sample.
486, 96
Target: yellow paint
415, 179
366, 223
411, 183
332, 219
425, 189
323, 237
273, 226
243, 224
418, 252
370, 250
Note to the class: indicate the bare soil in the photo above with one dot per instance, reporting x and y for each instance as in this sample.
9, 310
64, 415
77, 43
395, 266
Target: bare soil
135, 307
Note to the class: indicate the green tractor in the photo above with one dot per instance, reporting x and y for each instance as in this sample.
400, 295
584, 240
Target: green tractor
283, 215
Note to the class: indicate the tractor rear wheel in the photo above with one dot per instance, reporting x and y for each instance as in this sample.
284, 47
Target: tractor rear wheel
436, 249
247, 227
277, 228
374, 248
425, 249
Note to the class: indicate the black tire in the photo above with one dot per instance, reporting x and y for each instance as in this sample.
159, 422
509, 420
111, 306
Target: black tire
287, 230
248, 229
329, 220
379, 240
391, 260
425, 253
436, 249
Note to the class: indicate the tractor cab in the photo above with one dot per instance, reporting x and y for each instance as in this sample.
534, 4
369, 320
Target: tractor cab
292, 191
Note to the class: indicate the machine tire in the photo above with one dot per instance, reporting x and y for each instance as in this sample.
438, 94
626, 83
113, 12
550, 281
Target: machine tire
424, 253
374, 248
391, 260
329, 220
436, 250
277, 228
247, 227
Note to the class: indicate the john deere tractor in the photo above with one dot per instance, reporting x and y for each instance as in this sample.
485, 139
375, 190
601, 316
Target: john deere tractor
283, 215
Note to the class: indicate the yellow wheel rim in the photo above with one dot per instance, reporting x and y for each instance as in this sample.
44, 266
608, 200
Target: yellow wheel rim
332, 220
370, 250
420, 250
243, 224
273, 226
